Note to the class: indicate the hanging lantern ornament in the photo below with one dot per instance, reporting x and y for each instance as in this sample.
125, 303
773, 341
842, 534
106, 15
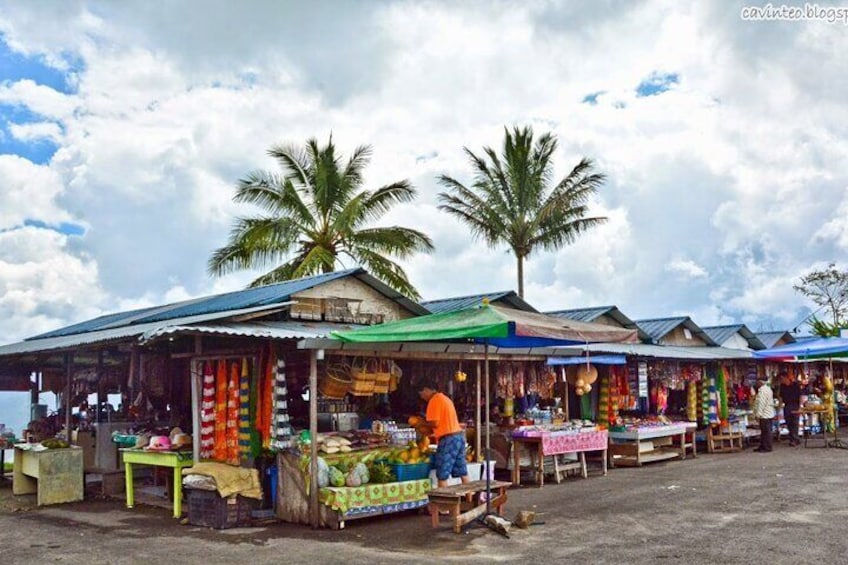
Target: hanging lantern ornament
460, 376
586, 373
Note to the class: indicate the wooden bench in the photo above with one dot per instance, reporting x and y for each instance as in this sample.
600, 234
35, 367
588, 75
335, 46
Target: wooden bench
462, 502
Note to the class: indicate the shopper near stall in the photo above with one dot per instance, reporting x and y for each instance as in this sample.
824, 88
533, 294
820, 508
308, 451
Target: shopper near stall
441, 417
790, 395
764, 412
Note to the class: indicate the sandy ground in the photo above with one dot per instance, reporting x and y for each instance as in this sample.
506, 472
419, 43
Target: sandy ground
788, 506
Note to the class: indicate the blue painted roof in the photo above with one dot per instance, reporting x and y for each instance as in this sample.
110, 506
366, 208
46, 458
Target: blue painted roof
505, 297
237, 300
658, 328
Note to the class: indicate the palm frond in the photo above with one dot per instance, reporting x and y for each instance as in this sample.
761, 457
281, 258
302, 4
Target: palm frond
393, 240
386, 270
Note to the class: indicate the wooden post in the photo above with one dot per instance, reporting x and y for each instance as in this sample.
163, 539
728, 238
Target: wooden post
314, 516
565, 394
195, 370
69, 359
478, 417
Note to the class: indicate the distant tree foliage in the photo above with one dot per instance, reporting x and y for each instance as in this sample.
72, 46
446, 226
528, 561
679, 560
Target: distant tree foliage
828, 289
315, 214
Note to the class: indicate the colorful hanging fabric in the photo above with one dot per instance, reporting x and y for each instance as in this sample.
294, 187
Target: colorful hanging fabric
221, 384
244, 411
662, 398
712, 413
265, 400
692, 402
233, 396
721, 385
282, 425
603, 400
704, 406
614, 393
207, 413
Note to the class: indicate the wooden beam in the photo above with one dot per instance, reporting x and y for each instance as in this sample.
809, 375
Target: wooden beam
314, 516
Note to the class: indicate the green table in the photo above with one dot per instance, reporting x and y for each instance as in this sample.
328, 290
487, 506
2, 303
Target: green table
174, 459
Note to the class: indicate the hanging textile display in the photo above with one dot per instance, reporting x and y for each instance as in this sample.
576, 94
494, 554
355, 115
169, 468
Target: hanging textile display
704, 406
615, 376
282, 426
233, 414
244, 411
207, 413
266, 428
603, 399
712, 404
692, 401
221, 384
721, 385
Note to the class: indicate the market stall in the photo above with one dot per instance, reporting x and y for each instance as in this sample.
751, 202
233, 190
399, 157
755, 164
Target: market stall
555, 440
635, 445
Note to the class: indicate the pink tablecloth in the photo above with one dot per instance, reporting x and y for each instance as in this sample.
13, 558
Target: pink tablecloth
554, 443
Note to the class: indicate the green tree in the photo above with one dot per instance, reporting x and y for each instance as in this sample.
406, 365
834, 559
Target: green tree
513, 201
315, 214
828, 289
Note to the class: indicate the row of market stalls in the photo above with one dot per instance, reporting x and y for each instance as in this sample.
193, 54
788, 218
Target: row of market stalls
312, 383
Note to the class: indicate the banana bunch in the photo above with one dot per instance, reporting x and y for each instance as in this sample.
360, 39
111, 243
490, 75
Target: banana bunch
827, 402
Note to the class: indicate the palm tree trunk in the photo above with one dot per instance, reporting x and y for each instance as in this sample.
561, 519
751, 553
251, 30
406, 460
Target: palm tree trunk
520, 276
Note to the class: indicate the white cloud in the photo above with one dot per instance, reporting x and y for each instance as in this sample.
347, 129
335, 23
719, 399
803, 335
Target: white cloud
687, 268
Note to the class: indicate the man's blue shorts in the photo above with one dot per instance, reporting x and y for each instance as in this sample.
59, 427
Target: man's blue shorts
450, 457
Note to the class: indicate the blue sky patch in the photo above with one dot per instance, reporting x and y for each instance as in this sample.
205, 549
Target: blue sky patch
15, 66
657, 83
592, 98
64, 228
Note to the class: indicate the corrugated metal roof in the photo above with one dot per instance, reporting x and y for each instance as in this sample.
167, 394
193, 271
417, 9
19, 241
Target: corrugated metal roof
711, 353
270, 330
505, 297
658, 328
769, 339
236, 300
112, 334
581, 314
722, 334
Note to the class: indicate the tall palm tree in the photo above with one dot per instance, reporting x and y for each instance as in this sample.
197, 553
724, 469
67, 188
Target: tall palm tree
512, 199
315, 214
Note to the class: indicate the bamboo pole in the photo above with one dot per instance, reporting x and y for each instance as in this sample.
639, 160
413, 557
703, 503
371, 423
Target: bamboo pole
196, 371
69, 359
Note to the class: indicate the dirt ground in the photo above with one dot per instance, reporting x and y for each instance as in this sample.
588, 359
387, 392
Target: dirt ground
788, 506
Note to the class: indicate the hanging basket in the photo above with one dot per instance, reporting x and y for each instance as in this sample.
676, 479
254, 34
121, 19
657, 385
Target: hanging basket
336, 382
363, 378
383, 377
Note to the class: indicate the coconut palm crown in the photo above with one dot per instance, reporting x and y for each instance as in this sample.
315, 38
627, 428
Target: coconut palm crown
512, 199
315, 214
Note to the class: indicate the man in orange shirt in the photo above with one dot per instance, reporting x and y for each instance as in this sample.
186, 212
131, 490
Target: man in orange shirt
441, 416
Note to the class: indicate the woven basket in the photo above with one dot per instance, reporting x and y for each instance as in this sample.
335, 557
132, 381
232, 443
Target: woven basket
336, 383
363, 378
382, 377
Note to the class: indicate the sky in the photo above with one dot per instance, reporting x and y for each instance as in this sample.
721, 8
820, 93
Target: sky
124, 128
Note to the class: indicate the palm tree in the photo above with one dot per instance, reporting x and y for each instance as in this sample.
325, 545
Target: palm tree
511, 200
315, 214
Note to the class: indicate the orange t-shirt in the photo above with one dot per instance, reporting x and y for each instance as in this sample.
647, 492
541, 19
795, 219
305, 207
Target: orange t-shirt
441, 412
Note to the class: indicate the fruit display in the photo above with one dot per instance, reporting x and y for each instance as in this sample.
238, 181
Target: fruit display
54, 443
413, 453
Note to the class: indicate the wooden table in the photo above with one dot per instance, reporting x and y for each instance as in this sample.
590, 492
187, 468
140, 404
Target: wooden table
55, 475
174, 459
541, 444
650, 443
460, 501
805, 416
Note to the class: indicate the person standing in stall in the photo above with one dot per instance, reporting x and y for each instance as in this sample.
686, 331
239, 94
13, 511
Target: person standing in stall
764, 412
441, 417
790, 395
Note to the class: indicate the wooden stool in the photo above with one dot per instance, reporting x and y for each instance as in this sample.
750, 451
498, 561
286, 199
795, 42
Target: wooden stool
723, 441
463, 503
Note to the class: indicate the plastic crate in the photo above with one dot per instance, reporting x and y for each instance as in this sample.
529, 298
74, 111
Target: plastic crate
411, 471
209, 510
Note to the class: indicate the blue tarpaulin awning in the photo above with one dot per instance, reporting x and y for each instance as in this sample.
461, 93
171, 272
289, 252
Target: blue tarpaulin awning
595, 360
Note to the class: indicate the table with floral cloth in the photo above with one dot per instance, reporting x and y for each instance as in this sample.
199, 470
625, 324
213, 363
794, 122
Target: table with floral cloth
373, 499
540, 444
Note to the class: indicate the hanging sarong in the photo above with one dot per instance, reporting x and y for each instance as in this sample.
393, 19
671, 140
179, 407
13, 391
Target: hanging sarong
207, 413
244, 411
221, 384
233, 414
283, 430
